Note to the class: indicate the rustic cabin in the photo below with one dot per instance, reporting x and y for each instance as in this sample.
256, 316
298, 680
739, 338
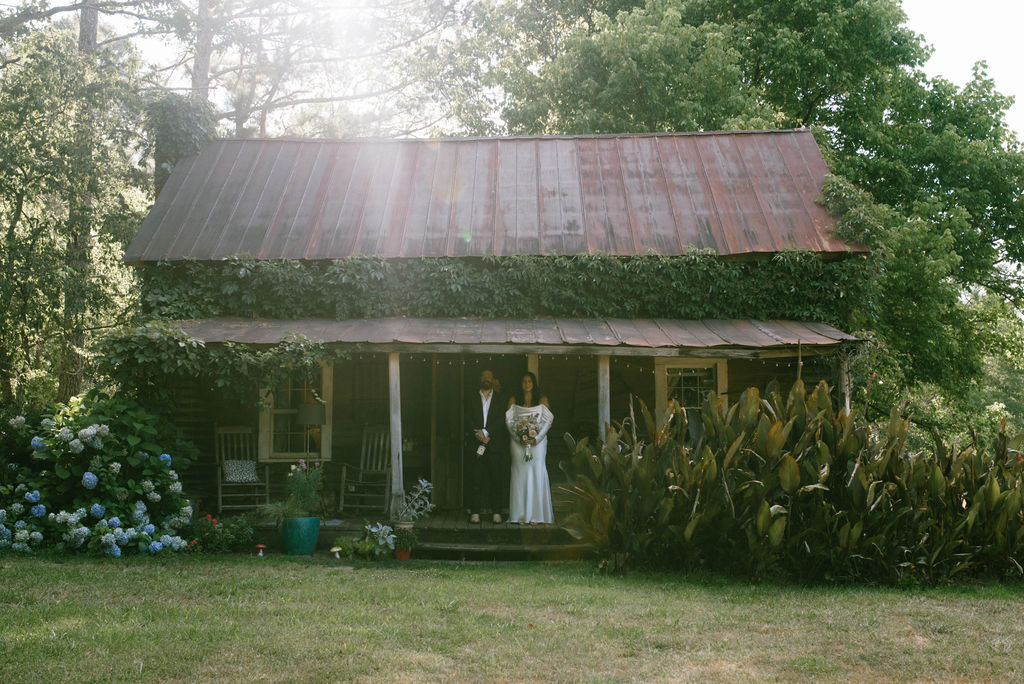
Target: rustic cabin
398, 397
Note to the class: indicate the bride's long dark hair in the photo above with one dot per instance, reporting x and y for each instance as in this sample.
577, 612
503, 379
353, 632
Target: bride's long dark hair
535, 394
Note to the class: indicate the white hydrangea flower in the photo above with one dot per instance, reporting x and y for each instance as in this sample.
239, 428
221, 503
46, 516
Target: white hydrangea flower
36, 537
65, 434
75, 446
115, 467
85, 434
147, 486
17, 509
16, 422
175, 487
153, 496
46, 422
21, 535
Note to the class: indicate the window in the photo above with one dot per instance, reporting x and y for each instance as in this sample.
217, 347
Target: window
687, 381
687, 387
282, 436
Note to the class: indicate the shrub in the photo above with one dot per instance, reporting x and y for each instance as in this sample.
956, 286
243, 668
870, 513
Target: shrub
95, 476
377, 541
790, 486
210, 535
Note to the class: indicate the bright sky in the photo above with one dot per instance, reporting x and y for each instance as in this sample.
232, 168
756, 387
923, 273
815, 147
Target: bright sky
963, 33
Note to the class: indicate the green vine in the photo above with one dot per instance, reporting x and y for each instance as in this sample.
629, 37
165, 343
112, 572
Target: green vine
790, 285
148, 360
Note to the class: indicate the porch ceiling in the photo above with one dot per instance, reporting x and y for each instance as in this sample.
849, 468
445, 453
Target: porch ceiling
610, 336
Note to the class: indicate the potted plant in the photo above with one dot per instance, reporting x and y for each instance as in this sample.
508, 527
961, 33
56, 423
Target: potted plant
415, 504
300, 529
405, 542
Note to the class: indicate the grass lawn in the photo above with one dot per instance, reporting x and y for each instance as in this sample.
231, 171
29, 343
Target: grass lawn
281, 619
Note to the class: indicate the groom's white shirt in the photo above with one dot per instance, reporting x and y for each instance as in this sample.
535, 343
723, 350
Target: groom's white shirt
486, 399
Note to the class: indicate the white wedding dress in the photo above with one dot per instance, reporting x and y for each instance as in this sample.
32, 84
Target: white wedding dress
529, 490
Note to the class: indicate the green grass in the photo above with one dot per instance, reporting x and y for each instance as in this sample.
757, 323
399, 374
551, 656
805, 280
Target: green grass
281, 619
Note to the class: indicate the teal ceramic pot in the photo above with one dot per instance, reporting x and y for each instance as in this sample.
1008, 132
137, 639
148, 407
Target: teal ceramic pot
299, 535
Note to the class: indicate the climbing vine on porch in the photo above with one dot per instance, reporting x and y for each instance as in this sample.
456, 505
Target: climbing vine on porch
789, 285
150, 360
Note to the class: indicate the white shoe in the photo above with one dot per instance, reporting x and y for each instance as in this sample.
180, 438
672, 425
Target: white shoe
496, 519
475, 519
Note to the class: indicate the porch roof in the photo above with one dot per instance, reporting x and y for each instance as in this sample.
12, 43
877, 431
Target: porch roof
610, 336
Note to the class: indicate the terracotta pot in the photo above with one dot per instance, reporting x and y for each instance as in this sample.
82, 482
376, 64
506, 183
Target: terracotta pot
402, 554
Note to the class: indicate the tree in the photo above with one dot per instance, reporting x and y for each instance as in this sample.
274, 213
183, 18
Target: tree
931, 165
67, 119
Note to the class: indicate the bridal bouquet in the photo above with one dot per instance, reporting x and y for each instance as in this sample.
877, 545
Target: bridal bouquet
527, 429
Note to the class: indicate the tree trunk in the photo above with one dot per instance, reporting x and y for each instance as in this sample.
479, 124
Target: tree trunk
78, 257
88, 26
204, 52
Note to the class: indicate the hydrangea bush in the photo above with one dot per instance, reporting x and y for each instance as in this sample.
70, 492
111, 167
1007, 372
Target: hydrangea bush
94, 477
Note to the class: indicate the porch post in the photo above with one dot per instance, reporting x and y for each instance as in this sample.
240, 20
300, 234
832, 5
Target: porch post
604, 403
844, 381
395, 402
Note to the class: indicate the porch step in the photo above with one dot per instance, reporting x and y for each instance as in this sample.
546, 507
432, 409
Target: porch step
485, 551
438, 538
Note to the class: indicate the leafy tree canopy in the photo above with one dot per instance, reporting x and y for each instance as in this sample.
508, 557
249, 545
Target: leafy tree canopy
927, 173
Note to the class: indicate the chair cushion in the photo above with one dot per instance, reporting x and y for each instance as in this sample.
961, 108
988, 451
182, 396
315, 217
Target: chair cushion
240, 471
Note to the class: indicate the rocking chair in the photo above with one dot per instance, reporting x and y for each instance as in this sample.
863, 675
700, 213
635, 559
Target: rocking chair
368, 486
239, 485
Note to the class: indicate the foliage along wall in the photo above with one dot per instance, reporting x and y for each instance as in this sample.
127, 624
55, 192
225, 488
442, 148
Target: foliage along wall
791, 285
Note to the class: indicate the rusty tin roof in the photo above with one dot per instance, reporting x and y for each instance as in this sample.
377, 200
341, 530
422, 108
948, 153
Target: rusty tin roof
606, 335
738, 193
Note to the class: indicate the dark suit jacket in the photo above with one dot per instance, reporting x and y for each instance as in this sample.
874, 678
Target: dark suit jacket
495, 426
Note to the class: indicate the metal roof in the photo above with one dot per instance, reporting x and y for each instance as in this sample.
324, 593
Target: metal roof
551, 335
740, 192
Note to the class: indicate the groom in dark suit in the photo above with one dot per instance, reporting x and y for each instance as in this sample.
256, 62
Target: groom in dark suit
487, 466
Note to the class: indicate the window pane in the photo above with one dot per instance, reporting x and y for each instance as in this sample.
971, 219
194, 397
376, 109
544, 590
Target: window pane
689, 386
289, 437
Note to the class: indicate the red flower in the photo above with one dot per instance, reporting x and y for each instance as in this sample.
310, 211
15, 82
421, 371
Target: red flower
208, 516
214, 522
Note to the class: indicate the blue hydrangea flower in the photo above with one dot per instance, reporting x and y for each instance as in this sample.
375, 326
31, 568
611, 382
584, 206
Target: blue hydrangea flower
166, 458
115, 551
32, 497
114, 522
39, 510
3, 515
38, 444
97, 511
155, 546
149, 529
20, 525
89, 481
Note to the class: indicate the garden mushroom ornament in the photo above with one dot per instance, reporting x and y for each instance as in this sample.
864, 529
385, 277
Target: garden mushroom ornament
336, 550
260, 547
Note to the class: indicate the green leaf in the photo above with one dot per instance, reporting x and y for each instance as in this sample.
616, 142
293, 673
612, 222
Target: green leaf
777, 530
789, 474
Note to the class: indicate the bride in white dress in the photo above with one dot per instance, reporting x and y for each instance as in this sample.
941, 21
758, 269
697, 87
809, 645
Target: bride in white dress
529, 491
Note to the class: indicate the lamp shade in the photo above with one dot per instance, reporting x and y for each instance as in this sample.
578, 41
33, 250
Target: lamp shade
311, 414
